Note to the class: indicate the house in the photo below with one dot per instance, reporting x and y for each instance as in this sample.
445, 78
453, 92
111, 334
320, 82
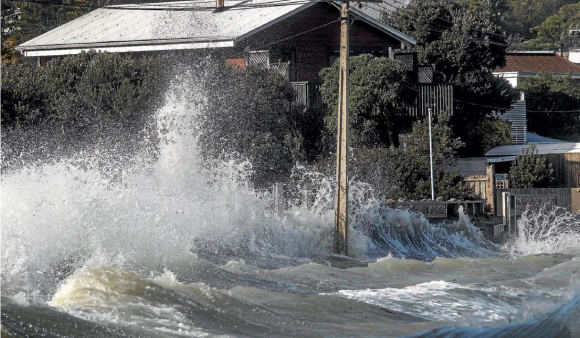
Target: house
521, 65
297, 39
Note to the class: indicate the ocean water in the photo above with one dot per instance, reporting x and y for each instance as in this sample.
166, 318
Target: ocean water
174, 249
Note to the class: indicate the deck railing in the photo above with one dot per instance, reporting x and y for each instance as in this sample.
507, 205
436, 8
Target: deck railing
438, 97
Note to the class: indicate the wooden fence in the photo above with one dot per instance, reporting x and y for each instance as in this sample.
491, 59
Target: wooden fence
479, 185
563, 196
566, 169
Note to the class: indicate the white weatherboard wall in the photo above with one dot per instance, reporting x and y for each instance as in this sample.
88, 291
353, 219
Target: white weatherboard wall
512, 77
517, 117
574, 55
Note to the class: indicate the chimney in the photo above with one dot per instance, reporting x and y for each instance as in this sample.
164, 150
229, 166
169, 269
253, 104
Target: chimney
219, 5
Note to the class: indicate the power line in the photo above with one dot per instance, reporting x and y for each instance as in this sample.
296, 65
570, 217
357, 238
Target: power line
295, 35
553, 111
241, 6
397, 11
496, 107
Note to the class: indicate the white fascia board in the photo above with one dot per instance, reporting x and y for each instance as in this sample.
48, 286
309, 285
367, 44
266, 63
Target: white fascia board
130, 49
531, 74
507, 74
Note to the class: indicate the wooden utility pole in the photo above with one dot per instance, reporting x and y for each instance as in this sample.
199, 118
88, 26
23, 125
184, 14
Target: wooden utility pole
341, 197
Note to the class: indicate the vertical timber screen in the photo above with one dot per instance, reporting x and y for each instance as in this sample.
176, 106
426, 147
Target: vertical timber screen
438, 97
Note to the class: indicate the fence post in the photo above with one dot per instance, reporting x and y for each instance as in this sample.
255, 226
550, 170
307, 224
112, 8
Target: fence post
509, 212
305, 199
504, 196
278, 192
490, 187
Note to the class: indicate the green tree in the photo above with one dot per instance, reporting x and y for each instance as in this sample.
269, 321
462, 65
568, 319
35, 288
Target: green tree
494, 133
80, 88
555, 27
379, 89
24, 98
523, 15
409, 165
530, 170
496, 9
465, 46
547, 93
10, 16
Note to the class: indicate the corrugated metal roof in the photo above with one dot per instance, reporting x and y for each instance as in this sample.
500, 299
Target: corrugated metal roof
543, 149
477, 165
535, 138
135, 23
470, 166
175, 23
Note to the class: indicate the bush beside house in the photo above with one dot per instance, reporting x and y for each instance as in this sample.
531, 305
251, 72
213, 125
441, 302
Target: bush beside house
531, 170
75, 103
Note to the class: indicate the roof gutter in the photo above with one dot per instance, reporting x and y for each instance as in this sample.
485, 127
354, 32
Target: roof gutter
123, 47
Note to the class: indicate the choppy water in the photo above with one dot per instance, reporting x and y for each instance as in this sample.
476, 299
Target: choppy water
175, 250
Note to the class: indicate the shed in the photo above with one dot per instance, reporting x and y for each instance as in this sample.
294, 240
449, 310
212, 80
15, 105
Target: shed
563, 156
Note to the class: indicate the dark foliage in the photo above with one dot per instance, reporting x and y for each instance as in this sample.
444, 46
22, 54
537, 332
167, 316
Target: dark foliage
78, 103
464, 45
379, 90
249, 112
550, 93
409, 165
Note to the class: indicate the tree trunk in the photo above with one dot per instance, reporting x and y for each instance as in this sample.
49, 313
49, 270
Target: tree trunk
392, 129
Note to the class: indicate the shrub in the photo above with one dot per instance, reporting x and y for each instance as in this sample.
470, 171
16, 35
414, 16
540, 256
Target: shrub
80, 102
248, 112
410, 164
79, 88
489, 133
379, 91
531, 170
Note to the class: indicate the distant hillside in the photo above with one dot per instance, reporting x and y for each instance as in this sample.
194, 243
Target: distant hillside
543, 19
